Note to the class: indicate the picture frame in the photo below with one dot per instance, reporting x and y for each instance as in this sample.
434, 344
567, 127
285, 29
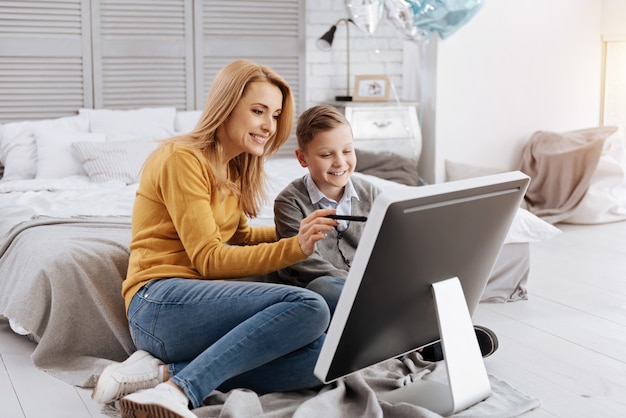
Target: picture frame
371, 88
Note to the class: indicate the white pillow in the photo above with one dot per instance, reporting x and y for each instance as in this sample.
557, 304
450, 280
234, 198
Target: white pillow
55, 156
186, 120
18, 150
527, 227
124, 125
118, 160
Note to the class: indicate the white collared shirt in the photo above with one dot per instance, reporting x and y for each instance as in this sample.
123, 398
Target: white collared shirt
343, 207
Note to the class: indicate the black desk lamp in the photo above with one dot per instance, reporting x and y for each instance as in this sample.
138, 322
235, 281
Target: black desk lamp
325, 43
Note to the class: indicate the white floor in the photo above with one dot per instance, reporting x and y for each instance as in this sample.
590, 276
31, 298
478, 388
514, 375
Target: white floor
566, 345
26, 391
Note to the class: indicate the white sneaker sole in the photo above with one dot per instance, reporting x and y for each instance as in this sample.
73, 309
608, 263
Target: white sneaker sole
131, 409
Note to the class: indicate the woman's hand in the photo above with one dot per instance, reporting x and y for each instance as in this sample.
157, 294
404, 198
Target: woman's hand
313, 228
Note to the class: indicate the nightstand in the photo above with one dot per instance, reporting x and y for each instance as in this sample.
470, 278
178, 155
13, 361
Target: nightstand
384, 126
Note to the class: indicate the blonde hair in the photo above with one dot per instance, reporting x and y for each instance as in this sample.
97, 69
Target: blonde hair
246, 173
320, 118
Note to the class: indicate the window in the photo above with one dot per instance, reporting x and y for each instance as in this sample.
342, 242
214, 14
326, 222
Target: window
614, 88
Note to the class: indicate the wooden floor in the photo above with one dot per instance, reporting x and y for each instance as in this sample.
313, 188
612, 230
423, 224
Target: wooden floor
566, 345
26, 391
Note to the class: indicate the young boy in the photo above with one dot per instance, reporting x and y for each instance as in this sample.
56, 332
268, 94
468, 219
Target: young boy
326, 149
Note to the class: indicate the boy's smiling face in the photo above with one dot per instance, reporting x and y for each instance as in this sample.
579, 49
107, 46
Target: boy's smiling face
331, 160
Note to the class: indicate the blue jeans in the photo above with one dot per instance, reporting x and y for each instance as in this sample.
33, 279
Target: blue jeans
329, 287
228, 334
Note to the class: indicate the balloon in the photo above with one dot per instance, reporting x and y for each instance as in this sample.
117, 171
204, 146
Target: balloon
426, 16
401, 14
366, 14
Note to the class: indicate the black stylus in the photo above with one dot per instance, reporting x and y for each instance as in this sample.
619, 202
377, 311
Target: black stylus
348, 218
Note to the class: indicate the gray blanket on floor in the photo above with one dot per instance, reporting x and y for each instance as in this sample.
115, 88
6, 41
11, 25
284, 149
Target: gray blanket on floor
61, 279
355, 396
76, 311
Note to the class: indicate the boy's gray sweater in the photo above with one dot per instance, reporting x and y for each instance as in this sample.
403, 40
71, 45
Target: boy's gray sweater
294, 204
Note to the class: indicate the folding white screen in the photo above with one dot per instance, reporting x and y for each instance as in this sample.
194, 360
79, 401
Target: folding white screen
59, 56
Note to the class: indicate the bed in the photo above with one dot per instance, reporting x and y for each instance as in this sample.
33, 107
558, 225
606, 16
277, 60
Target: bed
65, 204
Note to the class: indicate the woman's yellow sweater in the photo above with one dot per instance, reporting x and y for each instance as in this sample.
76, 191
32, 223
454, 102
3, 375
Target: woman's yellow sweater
181, 227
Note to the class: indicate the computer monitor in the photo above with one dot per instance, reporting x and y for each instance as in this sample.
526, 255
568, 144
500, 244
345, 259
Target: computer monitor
418, 274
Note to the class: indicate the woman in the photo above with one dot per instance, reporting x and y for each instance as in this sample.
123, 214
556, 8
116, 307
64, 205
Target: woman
197, 328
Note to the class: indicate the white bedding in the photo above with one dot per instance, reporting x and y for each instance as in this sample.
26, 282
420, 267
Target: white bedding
74, 196
68, 197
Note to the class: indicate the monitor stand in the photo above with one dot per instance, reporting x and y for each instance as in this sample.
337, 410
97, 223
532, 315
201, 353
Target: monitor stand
468, 382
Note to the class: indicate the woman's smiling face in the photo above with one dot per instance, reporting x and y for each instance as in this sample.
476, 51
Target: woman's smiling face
253, 120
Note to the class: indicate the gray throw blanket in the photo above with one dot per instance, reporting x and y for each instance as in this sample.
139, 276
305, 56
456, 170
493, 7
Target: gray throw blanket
560, 167
355, 396
393, 167
61, 280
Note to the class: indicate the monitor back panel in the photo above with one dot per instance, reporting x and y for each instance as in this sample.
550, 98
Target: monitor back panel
411, 241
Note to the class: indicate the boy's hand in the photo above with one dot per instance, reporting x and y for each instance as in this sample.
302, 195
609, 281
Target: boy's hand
313, 228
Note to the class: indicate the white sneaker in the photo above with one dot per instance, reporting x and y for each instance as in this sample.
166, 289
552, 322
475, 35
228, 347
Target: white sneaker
163, 401
139, 371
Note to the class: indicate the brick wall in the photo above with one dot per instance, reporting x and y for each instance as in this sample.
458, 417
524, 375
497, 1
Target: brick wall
377, 53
